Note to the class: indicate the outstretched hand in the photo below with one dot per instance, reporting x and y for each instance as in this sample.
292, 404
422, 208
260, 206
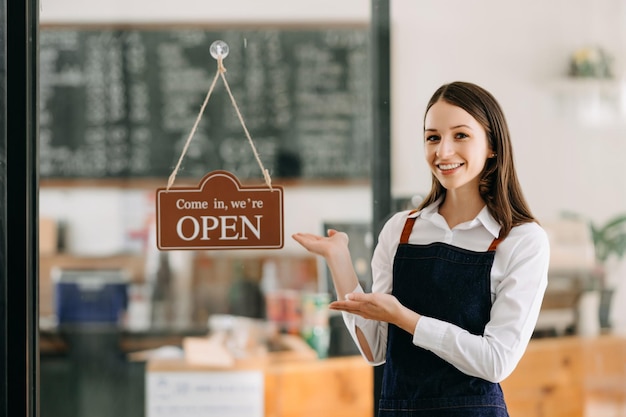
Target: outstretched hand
374, 306
321, 245
380, 307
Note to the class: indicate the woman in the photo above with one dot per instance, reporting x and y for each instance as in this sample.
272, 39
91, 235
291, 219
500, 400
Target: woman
457, 283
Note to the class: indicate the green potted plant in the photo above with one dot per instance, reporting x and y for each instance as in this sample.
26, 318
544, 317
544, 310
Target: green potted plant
610, 238
609, 241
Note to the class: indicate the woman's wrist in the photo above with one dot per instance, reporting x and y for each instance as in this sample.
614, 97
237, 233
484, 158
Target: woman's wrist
407, 320
342, 271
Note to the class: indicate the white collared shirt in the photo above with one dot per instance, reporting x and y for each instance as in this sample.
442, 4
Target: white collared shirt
519, 277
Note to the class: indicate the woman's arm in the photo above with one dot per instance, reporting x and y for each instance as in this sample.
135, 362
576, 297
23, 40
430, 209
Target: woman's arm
514, 312
334, 249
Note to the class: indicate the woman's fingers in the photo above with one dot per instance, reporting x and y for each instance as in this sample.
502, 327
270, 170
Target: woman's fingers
347, 306
305, 238
336, 234
319, 244
374, 306
358, 303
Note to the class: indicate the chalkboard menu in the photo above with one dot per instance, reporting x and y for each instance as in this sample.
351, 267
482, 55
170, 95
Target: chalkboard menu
121, 102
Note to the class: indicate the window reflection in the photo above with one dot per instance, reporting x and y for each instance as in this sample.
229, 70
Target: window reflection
118, 101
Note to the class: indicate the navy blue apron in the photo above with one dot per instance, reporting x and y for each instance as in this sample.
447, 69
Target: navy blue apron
452, 284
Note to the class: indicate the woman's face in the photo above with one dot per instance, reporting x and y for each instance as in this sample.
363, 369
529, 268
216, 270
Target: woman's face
456, 146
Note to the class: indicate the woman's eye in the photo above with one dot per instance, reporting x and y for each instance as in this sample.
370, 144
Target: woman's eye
432, 138
461, 135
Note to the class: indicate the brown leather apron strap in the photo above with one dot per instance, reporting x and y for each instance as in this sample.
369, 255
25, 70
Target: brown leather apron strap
494, 244
408, 227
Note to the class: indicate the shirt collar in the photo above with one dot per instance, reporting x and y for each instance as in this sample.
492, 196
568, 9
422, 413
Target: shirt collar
484, 218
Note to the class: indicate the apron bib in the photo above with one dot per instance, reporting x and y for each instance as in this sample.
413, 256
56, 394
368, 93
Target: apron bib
451, 284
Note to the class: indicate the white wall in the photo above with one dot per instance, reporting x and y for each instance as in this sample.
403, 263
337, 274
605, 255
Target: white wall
517, 50
204, 11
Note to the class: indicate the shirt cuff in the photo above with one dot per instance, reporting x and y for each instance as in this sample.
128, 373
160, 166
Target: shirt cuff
352, 320
429, 334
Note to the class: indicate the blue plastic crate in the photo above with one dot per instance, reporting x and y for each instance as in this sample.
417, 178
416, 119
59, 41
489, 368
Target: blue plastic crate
90, 296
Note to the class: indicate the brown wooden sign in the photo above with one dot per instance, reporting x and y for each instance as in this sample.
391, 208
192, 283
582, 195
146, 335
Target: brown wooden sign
219, 214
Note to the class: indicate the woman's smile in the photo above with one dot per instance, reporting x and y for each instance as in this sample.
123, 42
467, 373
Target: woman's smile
448, 169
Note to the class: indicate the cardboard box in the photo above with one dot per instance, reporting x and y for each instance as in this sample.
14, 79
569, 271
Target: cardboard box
48, 236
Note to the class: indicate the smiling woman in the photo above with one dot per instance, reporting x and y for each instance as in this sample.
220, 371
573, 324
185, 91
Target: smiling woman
457, 282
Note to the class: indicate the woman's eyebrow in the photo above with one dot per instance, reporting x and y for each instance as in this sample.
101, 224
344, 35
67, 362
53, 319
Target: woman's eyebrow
452, 127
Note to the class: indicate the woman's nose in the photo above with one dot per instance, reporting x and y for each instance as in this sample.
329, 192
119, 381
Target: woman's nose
445, 148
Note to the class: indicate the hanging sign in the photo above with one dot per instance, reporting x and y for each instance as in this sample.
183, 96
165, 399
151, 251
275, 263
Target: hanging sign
219, 214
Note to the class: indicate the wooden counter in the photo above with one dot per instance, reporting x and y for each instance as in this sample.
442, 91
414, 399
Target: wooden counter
335, 387
338, 387
569, 377
557, 377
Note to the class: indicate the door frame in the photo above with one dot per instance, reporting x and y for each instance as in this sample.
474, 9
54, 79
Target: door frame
19, 253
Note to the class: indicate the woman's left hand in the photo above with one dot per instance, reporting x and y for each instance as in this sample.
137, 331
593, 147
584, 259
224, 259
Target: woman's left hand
373, 306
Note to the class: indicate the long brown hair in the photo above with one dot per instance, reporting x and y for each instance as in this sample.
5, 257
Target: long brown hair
499, 186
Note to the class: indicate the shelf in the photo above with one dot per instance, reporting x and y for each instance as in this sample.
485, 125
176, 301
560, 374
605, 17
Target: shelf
592, 102
582, 85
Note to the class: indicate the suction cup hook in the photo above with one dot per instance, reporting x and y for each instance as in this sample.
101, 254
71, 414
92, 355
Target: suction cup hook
219, 49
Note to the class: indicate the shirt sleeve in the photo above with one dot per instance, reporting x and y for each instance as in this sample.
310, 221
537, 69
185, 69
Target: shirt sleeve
525, 255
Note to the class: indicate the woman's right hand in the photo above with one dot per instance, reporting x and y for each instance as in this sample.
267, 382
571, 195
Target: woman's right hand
321, 245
